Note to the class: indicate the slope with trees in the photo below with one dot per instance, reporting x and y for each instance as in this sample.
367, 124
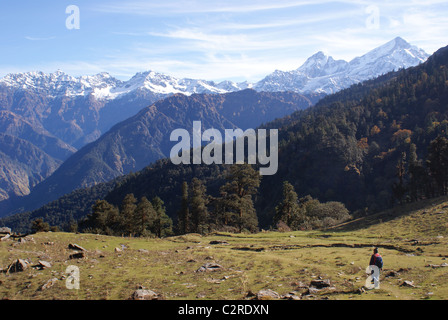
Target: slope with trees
377, 144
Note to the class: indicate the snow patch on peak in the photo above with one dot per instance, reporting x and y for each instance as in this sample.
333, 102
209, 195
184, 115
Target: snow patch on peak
105, 87
320, 64
321, 73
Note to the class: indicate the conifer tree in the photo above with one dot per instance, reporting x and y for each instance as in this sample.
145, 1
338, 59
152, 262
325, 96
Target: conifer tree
243, 183
288, 210
39, 225
398, 188
144, 216
199, 211
162, 224
417, 175
104, 217
438, 162
127, 213
184, 225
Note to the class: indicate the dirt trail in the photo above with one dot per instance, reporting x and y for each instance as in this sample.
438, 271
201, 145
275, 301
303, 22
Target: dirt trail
332, 245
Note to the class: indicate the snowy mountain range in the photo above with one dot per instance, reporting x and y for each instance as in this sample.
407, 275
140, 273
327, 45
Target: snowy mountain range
103, 86
320, 73
46, 118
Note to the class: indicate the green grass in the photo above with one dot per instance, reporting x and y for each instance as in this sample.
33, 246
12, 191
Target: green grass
410, 238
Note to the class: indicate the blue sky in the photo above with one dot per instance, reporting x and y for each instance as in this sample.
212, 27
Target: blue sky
214, 40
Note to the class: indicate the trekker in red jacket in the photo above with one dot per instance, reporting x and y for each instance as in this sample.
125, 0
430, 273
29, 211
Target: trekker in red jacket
376, 260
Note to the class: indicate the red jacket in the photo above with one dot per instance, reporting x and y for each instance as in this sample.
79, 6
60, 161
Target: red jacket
373, 259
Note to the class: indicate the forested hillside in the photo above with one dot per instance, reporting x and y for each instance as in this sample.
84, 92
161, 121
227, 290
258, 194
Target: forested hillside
144, 138
372, 146
369, 146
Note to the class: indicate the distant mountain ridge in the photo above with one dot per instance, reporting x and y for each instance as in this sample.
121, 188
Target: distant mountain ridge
349, 147
78, 110
144, 138
18, 174
321, 73
103, 86
59, 114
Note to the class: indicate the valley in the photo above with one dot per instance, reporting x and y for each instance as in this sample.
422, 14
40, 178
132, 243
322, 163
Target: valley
237, 158
60, 114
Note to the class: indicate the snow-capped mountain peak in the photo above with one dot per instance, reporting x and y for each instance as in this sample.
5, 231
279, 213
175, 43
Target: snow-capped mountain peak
321, 73
321, 64
393, 55
59, 83
318, 59
105, 87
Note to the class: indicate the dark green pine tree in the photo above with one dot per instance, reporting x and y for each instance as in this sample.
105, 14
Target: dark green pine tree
144, 216
127, 213
39, 225
199, 211
162, 225
288, 210
399, 188
104, 218
243, 183
418, 178
113, 221
437, 161
183, 217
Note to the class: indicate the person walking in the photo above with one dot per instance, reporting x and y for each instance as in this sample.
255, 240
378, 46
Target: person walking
376, 260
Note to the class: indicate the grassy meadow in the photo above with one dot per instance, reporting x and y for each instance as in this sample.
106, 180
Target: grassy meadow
412, 240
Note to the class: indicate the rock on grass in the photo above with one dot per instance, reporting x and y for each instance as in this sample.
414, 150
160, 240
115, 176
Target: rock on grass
18, 266
210, 267
267, 294
48, 284
144, 294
